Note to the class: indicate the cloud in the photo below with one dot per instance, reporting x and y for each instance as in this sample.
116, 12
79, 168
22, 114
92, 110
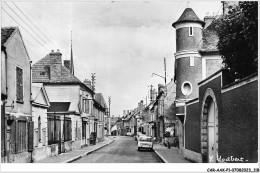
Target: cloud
122, 42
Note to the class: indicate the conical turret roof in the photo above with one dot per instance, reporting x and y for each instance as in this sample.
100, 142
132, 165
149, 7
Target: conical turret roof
188, 16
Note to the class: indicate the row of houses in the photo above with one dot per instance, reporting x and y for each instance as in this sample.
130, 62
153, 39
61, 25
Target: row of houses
204, 112
45, 109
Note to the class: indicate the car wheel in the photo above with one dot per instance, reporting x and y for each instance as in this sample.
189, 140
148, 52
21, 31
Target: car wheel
138, 149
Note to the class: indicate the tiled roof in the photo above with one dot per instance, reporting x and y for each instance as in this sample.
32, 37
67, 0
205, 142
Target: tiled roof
59, 107
188, 16
41, 73
100, 99
6, 32
210, 39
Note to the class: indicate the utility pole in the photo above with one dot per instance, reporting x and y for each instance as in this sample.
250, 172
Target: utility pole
165, 71
109, 128
151, 94
93, 79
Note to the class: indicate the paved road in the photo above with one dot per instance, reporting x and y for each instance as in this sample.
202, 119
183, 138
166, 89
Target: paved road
122, 150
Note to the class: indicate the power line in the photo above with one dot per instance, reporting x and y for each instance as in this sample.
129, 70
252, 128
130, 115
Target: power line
33, 23
82, 73
211, 22
26, 23
51, 42
24, 28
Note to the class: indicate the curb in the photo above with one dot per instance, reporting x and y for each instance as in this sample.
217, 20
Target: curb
88, 152
161, 157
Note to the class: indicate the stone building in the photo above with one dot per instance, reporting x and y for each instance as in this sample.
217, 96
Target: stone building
71, 103
16, 106
40, 104
99, 112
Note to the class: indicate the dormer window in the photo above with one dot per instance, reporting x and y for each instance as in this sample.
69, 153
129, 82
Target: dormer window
190, 31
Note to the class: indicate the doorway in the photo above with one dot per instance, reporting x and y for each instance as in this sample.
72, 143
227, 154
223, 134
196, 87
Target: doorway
211, 134
209, 128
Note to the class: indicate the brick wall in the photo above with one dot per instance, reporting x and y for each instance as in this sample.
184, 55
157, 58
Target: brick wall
192, 127
238, 129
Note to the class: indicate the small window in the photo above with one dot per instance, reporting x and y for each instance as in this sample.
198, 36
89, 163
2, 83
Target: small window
190, 31
19, 84
191, 61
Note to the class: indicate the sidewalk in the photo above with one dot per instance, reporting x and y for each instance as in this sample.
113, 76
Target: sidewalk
76, 154
169, 155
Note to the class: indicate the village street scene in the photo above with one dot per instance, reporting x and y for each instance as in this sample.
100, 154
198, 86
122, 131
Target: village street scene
129, 82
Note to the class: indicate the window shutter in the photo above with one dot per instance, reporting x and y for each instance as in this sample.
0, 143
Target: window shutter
39, 129
19, 83
30, 135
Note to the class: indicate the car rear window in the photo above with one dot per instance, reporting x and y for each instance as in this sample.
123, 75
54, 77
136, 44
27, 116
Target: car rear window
146, 139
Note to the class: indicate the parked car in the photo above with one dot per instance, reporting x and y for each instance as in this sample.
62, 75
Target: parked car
128, 134
145, 142
138, 135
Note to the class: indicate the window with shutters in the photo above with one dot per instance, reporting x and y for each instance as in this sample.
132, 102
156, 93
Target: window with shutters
19, 84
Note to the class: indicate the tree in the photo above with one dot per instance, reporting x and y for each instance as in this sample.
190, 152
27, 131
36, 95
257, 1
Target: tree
238, 39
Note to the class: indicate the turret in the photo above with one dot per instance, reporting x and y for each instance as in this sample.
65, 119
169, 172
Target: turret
188, 63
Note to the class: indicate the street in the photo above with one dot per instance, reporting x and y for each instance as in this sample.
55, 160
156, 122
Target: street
122, 150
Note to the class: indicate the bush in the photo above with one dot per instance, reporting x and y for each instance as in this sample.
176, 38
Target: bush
238, 39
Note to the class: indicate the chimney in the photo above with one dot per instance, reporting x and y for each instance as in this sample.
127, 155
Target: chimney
141, 104
124, 113
208, 20
55, 66
67, 64
87, 83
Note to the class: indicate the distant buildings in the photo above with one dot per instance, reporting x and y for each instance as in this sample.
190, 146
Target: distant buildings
209, 117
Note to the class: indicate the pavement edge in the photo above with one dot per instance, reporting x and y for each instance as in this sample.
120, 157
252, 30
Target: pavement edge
161, 157
78, 157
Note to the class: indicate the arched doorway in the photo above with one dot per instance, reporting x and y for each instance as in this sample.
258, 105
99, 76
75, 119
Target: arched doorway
209, 127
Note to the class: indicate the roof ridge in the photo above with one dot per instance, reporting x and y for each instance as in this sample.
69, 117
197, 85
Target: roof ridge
64, 68
188, 15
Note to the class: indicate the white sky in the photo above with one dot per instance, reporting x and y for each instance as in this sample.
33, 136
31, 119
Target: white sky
122, 42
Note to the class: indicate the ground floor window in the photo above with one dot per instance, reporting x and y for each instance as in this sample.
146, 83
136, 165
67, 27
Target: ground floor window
54, 130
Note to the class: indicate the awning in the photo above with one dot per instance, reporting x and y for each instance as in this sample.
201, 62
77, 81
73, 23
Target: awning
181, 117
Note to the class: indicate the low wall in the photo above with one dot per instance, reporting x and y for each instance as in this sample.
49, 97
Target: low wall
76, 144
67, 146
22, 157
41, 153
192, 156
